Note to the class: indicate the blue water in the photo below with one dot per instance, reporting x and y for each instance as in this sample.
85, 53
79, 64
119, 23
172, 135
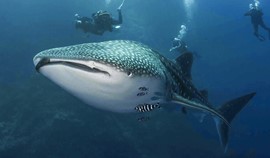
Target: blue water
38, 119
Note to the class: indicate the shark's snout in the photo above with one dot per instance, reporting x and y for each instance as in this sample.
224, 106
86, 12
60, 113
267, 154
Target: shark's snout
41, 62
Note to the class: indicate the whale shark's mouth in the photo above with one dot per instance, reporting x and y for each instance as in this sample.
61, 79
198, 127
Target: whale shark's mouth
46, 61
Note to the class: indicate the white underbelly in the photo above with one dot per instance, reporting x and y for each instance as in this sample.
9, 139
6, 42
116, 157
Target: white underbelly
117, 92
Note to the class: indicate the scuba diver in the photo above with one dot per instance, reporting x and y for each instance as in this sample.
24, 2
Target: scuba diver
256, 19
178, 44
100, 22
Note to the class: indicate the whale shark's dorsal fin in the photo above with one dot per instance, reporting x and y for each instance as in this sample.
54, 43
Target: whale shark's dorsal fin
185, 62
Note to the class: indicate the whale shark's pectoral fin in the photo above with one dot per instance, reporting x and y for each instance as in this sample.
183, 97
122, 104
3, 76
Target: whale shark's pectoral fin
194, 105
204, 93
184, 110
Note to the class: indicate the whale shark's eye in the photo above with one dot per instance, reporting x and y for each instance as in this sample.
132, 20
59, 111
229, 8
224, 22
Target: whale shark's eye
129, 74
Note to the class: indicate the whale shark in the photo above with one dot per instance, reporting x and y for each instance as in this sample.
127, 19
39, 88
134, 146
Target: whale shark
127, 76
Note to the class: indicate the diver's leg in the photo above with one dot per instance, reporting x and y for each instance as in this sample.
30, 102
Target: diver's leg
256, 27
266, 28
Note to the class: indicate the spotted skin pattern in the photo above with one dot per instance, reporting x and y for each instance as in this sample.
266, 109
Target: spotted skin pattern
124, 55
170, 81
133, 58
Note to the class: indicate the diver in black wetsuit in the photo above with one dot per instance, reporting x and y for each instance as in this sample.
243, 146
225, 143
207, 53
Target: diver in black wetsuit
100, 22
179, 46
256, 19
178, 43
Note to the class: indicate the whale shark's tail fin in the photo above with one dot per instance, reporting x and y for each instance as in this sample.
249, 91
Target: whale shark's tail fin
229, 111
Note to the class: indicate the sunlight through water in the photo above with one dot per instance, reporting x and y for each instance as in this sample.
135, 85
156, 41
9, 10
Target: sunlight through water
188, 7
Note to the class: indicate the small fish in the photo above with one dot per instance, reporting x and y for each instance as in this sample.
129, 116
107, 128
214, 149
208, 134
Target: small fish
146, 107
143, 119
143, 89
184, 110
141, 93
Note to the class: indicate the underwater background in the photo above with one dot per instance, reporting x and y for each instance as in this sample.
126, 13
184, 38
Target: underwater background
39, 119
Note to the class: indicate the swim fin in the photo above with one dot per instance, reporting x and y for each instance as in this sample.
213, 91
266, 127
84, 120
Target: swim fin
261, 38
119, 8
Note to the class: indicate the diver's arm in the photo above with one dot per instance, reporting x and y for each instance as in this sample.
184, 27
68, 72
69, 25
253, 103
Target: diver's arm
173, 48
120, 19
